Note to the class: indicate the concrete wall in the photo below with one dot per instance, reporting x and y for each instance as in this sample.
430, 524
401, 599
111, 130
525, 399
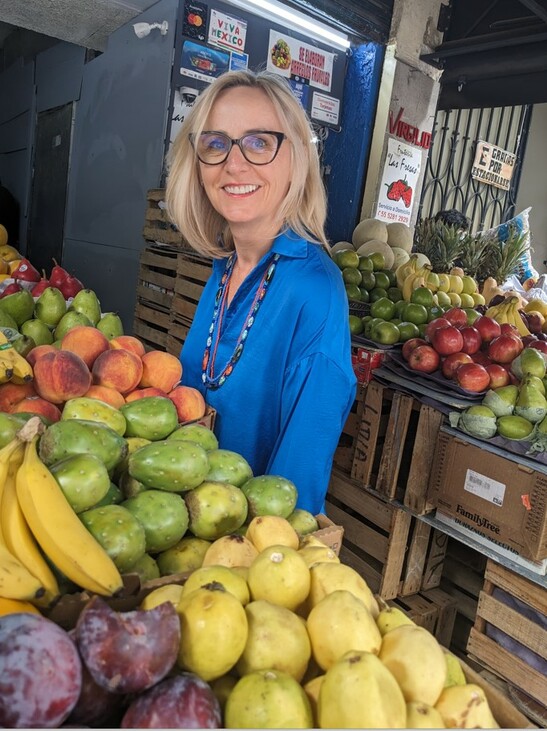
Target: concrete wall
532, 188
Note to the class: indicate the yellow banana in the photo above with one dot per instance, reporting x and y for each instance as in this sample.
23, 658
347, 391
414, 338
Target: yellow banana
15, 581
21, 368
408, 284
3, 339
6, 366
515, 318
17, 536
59, 531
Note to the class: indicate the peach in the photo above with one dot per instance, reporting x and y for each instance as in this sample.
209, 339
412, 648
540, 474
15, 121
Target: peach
85, 341
118, 369
144, 393
60, 376
37, 405
12, 393
189, 403
160, 370
38, 351
128, 342
108, 395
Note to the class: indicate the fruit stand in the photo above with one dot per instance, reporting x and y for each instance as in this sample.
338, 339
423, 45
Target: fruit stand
169, 586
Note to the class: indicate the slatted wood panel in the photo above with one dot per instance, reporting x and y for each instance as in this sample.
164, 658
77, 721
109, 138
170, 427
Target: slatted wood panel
345, 451
192, 274
157, 225
505, 663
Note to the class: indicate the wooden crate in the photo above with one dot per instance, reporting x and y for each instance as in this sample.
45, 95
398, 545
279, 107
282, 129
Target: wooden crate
395, 446
193, 271
157, 225
394, 551
504, 662
151, 326
345, 451
433, 609
157, 275
178, 332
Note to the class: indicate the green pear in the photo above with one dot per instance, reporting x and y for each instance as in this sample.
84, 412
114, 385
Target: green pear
110, 325
50, 307
69, 320
23, 345
38, 331
87, 302
531, 404
6, 320
19, 305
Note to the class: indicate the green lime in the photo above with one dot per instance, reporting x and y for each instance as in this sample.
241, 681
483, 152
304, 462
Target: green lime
347, 258
385, 333
394, 294
377, 293
378, 260
368, 280
422, 328
408, 330
434, 312
350, 275
356, 326
422, 296
472, 315
391, 276
415, 313
396, 321
365, 263
399, 307
365, 319
370, 324
383, 307
353, 292
365, 296
382, 280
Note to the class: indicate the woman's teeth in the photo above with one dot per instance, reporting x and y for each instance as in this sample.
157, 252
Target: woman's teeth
240, 189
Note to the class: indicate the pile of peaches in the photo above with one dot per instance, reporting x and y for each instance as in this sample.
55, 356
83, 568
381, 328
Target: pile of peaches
115, 371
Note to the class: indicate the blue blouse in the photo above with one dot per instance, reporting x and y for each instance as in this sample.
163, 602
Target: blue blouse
284, 405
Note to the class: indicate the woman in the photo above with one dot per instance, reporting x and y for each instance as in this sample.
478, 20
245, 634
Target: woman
269, 346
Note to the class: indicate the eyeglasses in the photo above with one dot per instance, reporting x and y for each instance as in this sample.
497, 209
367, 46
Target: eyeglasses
258, 148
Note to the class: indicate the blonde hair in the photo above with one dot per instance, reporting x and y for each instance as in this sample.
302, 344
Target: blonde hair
304, 207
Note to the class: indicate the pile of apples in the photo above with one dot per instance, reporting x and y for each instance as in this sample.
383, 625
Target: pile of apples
475, 356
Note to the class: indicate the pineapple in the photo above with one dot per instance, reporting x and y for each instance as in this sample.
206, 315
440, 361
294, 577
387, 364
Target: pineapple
474, 254
502, 259
440, 243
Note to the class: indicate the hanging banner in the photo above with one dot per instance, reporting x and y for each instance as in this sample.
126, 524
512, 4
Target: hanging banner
399, 179
227, 31
493, 166
294, 59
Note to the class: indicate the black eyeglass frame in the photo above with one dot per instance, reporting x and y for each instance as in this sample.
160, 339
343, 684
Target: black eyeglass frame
280, 136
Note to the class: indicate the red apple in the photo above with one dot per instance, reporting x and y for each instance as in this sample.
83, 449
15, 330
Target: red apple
508, 329
472, 340
472, 377
533, 320
456, 316
424, 358
499, 376
488, 328
435, 325
540, 345
453, 361
409, 345
481, 358
447, 340
505, 348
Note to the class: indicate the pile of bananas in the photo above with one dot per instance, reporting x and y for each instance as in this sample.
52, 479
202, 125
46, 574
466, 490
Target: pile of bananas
508, 311
34, 515
13, 367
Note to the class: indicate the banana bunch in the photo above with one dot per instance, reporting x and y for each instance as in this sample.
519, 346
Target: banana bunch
419, 278
13, 367
508, 312
35, 517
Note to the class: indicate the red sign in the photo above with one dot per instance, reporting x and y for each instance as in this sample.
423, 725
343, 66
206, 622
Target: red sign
408, 132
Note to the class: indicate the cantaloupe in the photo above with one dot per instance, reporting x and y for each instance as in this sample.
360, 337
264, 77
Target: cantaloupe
401, 256
368, 229
341, 246
369, 247
399, 235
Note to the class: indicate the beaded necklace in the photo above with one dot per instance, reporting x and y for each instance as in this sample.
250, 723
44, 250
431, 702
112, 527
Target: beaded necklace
208, 376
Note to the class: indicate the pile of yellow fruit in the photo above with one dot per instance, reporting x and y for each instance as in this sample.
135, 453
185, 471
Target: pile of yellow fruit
455, 289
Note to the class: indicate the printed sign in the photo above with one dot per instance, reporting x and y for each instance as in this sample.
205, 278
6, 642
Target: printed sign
238, 61
201, 62
294, 59
399, 179
325, 108
194, 20
227, 31
493, 166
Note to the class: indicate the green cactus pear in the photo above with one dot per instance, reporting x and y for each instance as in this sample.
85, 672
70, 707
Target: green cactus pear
173, 465
119, 533
186, 555
114, 496
270, 495
78, 436
147, 568
227, 466
9, 426
153, 417
91, 409
83, 479
303, 521
163, 515
196, 433
129, 485
216, 509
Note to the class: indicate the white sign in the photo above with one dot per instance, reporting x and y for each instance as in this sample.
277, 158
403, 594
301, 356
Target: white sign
297, 60
399, 180
325, 108
484, 487
226, 31
493, 166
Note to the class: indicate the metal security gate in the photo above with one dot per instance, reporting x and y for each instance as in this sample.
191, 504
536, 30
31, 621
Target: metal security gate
448, 182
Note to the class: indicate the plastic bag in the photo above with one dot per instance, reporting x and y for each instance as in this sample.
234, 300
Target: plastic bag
521, 223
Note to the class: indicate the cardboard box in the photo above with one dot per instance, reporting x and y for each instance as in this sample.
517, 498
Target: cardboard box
501, 498
364, 361
330, 533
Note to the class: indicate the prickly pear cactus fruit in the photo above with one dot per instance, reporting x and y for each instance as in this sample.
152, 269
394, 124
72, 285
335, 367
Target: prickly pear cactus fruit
91, 409
153, 417
79, 436
216, 509
163, 515
118, 531
270, 495
227, 466
171, 465
83, 479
